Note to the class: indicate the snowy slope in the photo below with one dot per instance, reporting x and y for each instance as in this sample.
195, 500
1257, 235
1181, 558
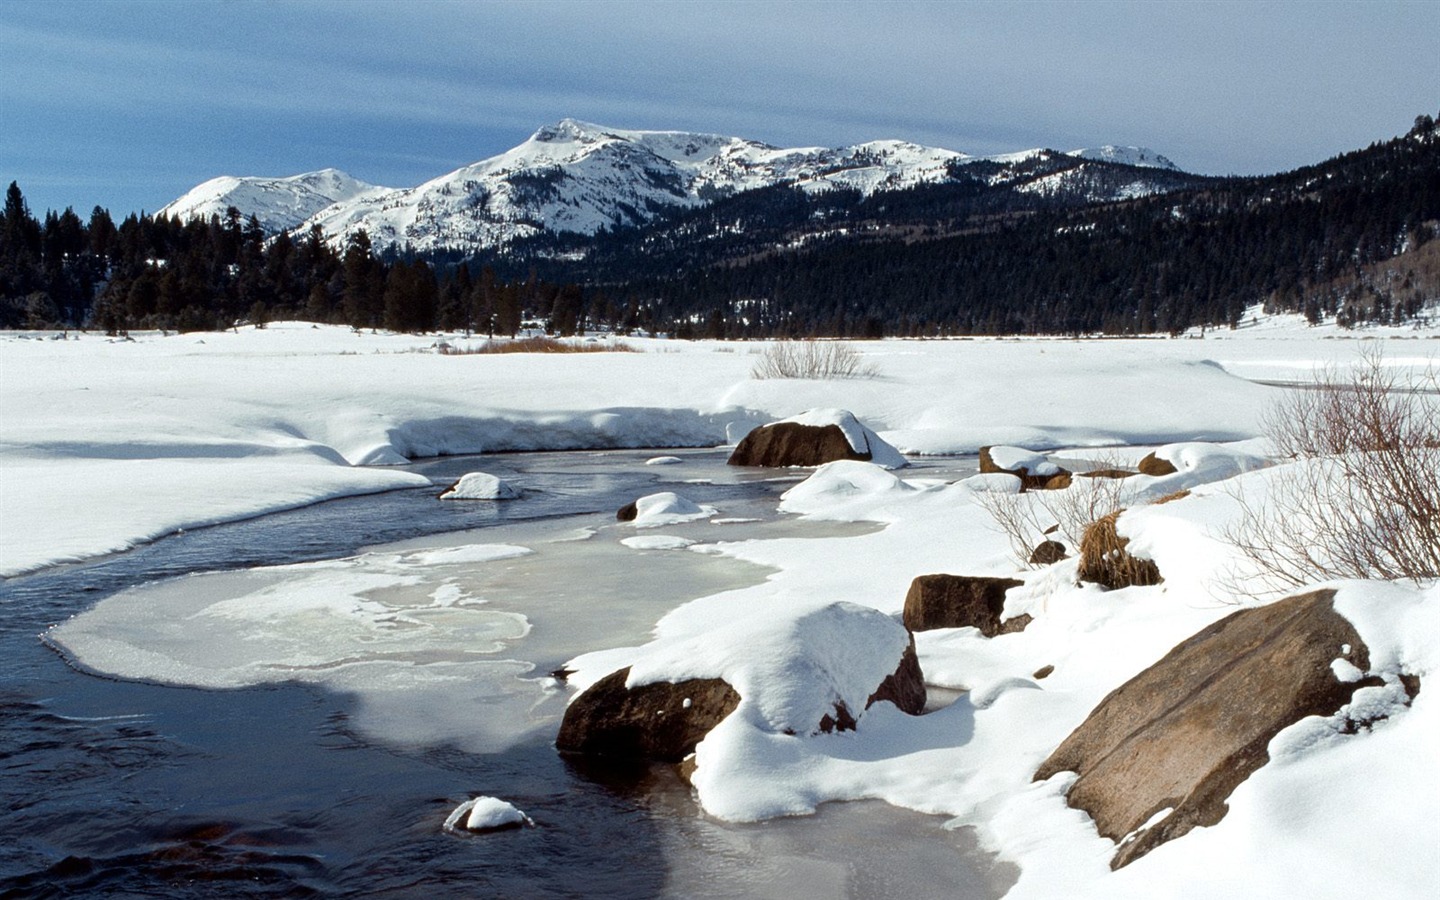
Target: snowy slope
277, 203
579, 177
1141, 157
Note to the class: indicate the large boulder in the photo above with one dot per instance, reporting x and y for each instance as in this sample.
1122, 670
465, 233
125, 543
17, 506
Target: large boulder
660, 721
1182, 734
663, 721
1036, 473
960, 601
814, 438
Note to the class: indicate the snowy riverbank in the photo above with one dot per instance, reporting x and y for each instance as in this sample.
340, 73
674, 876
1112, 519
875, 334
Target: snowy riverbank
106, 444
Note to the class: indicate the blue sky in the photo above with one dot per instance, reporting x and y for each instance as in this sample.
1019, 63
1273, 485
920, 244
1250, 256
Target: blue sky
129, 104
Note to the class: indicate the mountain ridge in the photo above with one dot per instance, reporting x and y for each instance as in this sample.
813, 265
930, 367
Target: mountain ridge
581, 178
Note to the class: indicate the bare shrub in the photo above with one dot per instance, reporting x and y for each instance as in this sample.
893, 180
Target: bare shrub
1030, 518
811, 359
1362, 499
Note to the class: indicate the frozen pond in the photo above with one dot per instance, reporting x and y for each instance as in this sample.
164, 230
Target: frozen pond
304, 724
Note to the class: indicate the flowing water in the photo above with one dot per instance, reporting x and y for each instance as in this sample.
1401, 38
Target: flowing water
269, 708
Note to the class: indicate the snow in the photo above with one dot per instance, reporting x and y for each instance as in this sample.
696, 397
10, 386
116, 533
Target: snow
663, 461
657, 542
486, 814
481, 486
106, 444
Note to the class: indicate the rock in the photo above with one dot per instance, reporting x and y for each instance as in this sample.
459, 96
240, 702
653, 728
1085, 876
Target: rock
1183, 733
813, 439
791, 444
1043, 672
1154, 465
959, 601
663, 721
1104, 561
1048, 552
627, 513
1035, 472
659, 721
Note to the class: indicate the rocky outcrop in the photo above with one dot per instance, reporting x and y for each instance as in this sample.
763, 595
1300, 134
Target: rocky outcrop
1105, 561
1183, 733
659, 721
960, 601
793, 444
1154, 465
1034, 471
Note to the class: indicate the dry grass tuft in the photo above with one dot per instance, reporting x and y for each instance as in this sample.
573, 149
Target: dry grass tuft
1104, 560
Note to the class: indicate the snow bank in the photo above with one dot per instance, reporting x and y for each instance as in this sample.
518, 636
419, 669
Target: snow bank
486, 814
169, 432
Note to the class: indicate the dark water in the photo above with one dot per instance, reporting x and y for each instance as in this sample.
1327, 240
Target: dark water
123, 789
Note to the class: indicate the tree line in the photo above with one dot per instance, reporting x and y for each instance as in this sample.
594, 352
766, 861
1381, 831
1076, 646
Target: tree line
1346, 239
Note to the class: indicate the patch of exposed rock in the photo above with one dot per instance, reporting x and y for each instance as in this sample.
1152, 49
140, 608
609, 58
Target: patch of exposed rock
1154, 465
1182, 734
961, 601
659, 721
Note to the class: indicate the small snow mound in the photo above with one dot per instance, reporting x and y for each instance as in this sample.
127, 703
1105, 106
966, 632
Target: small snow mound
657, 542
663, 461
842, 483
486, 814
480, 486
668, 508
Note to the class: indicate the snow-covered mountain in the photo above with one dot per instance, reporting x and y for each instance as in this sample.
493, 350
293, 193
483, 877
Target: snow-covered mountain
277, 203
1142, 157
578, 177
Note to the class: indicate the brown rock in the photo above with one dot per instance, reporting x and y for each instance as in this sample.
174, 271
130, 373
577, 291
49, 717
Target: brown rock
1048, 552
1057, 482
959, 601
792, 444
651, 721
1104, 560
1108, 473
1153, 465
654, 722
1183, 733
1043, 672
628, 512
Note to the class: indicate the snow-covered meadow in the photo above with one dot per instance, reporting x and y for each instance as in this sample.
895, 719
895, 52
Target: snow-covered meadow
108, 443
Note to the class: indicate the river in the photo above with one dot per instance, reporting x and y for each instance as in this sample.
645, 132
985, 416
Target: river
298, 784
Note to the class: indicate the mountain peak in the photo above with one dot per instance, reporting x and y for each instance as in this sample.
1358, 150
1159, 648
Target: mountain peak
1142, 157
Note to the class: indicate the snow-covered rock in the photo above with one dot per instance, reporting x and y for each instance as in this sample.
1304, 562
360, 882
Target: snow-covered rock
664, 508
480, 486
486, 814
813, 438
